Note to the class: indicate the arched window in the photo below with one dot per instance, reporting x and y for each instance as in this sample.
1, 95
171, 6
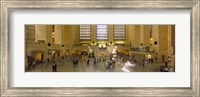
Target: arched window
119, 32
85, 32
102, 32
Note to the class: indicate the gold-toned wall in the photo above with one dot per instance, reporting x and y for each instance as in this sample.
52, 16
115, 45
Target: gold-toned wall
155, 36
40, 32
75, 34
110, 33
164, 35
137, 36
49, 33
163, 40
30, 33
93, 34
37, 55
173, 38
58, 34
130, 32
146, 35
68, 35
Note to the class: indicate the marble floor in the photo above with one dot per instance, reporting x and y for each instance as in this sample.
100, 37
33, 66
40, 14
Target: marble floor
67, 66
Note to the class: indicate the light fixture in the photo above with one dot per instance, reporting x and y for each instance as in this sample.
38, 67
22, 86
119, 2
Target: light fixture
151, 39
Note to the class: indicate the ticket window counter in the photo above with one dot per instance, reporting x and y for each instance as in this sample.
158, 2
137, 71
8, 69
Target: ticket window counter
102, 46
150, 59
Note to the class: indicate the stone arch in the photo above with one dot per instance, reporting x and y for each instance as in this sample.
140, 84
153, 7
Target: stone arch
56, 53
37, 54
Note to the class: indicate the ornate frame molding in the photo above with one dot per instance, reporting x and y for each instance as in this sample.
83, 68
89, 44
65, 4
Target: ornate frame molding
8, 5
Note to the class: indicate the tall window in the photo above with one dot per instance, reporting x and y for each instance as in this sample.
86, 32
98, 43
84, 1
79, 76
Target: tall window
85, 32
119, 32
102, 32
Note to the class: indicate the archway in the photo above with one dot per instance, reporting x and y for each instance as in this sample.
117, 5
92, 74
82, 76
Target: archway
55, 54
38, 55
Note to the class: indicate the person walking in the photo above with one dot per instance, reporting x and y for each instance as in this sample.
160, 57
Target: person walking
95, 62
54, 67
169, 59
48, 60
63, 59
34, 63
143, 62
88, 62
76, 62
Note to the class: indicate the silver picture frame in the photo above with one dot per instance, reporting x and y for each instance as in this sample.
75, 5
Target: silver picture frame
8, 5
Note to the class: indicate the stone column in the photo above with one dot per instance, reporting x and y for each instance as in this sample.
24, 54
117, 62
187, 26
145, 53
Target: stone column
74, 34
41, 35
49, 41
30, 33
58, 34
163, 42
141, 34
110, 34
173, 38
170, 40
127, 41
67, 36
137, 37
130, 32
155, 36
29, 38
146, 35
93, 34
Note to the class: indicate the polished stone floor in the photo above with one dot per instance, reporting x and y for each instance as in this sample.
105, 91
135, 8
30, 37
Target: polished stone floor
67, 66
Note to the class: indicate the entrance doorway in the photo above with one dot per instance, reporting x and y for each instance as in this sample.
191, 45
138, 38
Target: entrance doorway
42, 57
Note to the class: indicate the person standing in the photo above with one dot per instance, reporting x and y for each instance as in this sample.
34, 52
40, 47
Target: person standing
76, 62
88, 62
53, 66
169, 59
109, 65
127, 66
34, 63
166, 64
48, 60
156, 58
63, 59
143, 62
95, 62
29, 65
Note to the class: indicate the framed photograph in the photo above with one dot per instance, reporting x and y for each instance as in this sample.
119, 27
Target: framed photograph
100, 48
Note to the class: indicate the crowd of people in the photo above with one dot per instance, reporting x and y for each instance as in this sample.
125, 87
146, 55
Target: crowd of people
125, 62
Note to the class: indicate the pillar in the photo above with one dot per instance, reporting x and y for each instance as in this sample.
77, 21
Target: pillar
130, 33
67, 36
137, 37
146, 35
163, 42
110, 34
155, 36
93, 33
30, 33
58, 34
142, 34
